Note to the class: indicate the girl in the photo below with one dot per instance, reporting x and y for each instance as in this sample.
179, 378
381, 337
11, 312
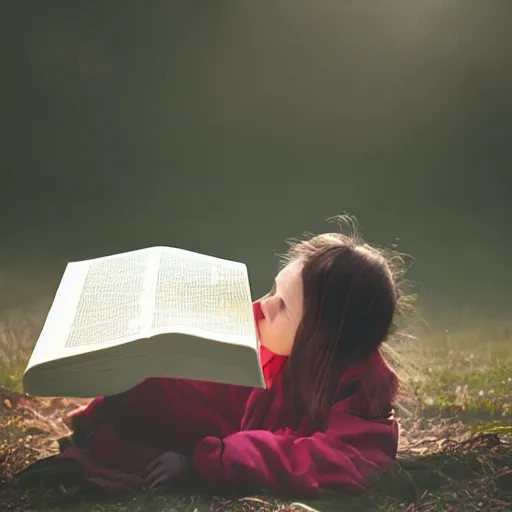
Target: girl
324, 423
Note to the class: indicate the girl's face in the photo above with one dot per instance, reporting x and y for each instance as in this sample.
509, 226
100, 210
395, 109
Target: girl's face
282, 310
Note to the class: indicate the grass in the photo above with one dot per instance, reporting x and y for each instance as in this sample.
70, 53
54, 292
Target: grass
18, 332
466, 374
461, 387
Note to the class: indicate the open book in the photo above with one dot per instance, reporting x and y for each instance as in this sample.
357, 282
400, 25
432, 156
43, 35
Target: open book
157, 312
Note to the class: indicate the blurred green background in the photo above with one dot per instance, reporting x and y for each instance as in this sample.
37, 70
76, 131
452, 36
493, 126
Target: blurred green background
226, 127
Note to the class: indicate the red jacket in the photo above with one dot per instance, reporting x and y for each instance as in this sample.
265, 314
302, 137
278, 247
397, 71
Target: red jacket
239, 437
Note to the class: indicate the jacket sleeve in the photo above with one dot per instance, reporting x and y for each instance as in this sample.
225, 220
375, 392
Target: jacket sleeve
174, 412
342, 458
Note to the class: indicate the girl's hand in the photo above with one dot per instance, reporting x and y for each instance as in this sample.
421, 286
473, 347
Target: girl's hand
166, 469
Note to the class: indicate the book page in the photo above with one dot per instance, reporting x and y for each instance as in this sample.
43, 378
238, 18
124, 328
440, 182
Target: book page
203, 296
99, 303
50, 344
111, 303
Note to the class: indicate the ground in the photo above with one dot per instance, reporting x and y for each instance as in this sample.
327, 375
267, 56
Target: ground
455, 446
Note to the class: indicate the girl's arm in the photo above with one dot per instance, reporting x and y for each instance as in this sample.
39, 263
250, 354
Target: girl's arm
342, 458
171, 412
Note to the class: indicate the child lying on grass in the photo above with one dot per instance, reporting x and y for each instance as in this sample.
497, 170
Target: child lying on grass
324, 423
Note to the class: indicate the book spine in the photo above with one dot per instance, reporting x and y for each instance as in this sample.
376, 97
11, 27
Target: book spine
148, 295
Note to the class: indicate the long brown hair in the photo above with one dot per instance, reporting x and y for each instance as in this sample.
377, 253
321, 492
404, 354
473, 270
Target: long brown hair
351, 300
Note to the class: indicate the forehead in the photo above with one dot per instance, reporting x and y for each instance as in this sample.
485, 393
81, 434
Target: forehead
289, 280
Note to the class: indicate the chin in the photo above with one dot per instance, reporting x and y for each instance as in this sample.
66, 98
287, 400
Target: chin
278, 351
263, 344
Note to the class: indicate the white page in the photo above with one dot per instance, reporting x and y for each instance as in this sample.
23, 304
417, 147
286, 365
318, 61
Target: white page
110, 307
203, 296
51, 341
99, 304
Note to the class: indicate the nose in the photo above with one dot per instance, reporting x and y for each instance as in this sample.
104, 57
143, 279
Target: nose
270, 308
